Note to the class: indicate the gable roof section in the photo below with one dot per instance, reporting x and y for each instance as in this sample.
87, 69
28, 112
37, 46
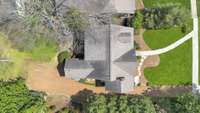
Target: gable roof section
128, 67
77, 64
127, 57
77, 69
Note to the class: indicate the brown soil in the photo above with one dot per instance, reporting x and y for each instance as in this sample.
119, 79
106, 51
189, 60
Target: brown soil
45, 77
139, 4
58, 101
168, 91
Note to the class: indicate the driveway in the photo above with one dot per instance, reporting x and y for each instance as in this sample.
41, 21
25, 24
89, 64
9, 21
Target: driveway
44, 77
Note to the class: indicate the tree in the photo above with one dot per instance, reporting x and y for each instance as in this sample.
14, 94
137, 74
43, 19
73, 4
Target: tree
16, 98
188, 103
122, 103
75, 20
137, 21
111, 104
95, 104
165, 16
140, 104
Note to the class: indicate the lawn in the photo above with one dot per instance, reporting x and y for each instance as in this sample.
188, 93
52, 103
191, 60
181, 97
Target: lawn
16, 66
161, 38
43, 53
176, 66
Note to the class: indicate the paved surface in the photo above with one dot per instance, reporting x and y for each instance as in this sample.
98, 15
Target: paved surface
195, 49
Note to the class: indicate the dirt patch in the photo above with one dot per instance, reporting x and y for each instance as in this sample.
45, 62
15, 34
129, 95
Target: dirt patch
139, 4
45, 77
168, 91
59, 101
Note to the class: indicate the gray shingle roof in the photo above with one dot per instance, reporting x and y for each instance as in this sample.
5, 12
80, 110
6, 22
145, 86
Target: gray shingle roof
101, 6
77, 64
127, 57
108, 48
103, 51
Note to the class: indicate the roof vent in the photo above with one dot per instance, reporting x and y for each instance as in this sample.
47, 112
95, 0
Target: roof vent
124, 37
120, 78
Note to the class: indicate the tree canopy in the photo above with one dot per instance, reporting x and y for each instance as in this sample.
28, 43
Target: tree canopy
16, 98
171, 15
99, 103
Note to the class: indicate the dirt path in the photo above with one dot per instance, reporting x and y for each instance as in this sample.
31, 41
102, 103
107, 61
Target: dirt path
151, 61
44, 77
139, 4
168, 91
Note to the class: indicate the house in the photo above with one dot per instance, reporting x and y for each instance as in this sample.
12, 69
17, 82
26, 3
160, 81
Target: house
109, 54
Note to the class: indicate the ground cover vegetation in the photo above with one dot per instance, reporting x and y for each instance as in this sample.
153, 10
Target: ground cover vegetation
34, 36
165, 23
12, 61
184, 3
162, 17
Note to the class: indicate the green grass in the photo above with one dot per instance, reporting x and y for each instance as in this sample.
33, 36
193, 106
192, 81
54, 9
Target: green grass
16, 67
43, 53
44, 50
155, 3
161, 38
175, 66
184, 3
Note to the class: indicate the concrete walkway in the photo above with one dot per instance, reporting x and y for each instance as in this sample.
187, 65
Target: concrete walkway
195, 49
166, 49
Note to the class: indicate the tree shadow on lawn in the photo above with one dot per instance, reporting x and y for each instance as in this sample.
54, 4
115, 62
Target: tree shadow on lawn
169, 91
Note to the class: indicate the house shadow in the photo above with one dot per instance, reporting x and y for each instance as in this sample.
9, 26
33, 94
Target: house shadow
60, 68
